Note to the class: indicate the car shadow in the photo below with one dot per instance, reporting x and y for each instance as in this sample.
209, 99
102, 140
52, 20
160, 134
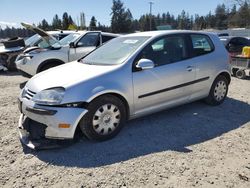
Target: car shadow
174, 129
10, 73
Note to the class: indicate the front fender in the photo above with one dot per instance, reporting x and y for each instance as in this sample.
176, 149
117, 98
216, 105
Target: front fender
89, 90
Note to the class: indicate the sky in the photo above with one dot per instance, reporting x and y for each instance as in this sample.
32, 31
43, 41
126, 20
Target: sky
12, 12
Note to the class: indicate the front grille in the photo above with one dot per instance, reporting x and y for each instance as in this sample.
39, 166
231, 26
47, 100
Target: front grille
28, 94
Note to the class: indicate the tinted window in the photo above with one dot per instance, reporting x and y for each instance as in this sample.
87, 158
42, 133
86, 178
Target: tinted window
70, 38
90, 39
201, 44
166, 50
106, 38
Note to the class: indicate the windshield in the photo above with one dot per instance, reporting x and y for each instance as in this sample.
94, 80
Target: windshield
116, 51
32, 40
70, 38
66, 40
37, 40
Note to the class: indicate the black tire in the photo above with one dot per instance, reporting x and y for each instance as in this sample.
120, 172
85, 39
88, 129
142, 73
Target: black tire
234, 70
48, 66
11, 63
241, 74
14, 42
87, 126
3, 59
211, 99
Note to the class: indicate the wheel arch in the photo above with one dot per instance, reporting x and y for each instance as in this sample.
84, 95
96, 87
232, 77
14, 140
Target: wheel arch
119, 96
226, 75
48, 61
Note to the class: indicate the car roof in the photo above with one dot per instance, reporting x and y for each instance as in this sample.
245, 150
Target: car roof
230, 37
103, 33
159, 33
67, 32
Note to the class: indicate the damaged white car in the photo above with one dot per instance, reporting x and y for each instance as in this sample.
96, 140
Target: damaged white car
15, 46
71, 48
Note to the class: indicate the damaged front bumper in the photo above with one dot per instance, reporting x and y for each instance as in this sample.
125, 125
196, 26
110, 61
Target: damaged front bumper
39, 127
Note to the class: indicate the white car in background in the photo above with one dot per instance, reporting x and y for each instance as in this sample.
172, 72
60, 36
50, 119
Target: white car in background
15, 46
70, 48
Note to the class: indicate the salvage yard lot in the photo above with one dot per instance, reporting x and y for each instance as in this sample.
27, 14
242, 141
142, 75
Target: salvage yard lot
191, 145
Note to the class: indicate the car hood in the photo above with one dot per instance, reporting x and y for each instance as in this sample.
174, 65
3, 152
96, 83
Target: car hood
66, 75
50, 40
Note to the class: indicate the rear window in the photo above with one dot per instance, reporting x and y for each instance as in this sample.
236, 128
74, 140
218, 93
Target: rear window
202, 44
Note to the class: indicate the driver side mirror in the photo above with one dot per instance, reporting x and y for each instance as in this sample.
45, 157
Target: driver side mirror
72, 45
144, 64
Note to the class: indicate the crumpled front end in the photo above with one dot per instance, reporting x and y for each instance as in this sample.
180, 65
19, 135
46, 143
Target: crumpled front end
43, 127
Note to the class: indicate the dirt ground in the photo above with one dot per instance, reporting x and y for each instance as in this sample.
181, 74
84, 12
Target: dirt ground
194, 145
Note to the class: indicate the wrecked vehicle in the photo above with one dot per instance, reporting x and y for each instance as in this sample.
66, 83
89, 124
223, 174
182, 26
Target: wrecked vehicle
9, 51
129, 77
71, 48
15, 46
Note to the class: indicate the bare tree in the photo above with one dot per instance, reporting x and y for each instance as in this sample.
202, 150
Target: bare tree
240, 2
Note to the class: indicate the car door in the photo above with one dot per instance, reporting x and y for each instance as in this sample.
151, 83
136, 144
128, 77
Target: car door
202, 49
84, 45
167, 83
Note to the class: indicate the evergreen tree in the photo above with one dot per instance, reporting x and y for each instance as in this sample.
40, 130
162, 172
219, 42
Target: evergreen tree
145, 23
56, 22
65, 21
221, 17
92, 24
121, 21
71, 22
244, 15
44, 25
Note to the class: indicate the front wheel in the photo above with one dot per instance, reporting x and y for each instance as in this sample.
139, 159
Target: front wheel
241, 74
48, 66
105, 118
218, 91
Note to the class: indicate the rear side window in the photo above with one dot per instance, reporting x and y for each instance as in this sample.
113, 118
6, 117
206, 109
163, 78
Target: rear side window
202, 44
106, 38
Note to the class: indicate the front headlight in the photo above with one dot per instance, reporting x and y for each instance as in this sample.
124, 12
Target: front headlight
52, 96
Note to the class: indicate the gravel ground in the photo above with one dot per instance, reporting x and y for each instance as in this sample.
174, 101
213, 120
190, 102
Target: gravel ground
194, 145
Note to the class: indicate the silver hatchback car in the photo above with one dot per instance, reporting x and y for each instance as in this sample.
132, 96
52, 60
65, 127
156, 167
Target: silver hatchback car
131, 76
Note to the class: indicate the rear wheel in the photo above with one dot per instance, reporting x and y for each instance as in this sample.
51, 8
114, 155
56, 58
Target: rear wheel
218, 91
105, 118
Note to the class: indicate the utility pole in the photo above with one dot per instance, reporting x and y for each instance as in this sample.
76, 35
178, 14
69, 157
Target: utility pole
150, 15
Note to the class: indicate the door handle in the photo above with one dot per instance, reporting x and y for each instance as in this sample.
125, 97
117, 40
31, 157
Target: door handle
190, 68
